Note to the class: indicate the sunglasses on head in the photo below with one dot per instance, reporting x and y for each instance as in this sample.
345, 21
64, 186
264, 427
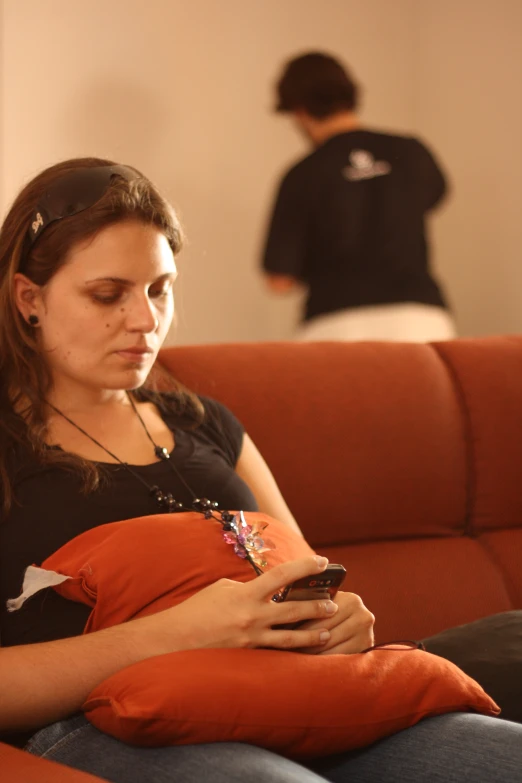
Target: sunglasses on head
72, 194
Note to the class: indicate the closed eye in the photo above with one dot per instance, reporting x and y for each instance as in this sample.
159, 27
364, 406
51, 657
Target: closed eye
116, 288
107, 298
157, 293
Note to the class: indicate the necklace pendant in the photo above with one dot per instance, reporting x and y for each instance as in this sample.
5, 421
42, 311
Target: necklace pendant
161, 452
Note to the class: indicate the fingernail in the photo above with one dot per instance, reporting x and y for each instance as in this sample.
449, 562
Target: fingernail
330, 607
322, 562
324, 636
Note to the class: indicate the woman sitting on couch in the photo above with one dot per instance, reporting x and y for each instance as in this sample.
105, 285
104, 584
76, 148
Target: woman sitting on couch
87, 269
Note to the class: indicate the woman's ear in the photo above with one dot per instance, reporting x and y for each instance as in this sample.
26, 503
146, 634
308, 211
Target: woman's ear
27, 296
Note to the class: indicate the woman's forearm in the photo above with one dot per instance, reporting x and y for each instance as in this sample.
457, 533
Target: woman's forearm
42, 683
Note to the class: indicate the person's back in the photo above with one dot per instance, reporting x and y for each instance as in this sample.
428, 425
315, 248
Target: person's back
349, 220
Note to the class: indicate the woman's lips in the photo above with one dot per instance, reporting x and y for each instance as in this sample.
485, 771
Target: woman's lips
135, 355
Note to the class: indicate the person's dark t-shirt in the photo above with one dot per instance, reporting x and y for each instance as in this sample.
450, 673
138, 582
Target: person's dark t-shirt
349, 221
51, 510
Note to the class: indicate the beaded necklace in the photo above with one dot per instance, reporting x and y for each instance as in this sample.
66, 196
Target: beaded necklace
246, 537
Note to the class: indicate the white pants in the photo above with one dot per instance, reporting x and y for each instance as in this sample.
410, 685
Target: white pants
409, 322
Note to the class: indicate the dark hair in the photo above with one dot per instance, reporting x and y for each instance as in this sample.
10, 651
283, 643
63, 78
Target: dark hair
24, 376
318, 84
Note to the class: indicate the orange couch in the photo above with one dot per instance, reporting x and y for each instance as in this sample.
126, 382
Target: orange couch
403, 462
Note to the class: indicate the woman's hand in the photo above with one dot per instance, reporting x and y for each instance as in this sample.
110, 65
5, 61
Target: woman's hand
237, 614
351, 628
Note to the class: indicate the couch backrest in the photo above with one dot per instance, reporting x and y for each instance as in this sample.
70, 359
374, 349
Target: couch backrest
374, 441
402, 461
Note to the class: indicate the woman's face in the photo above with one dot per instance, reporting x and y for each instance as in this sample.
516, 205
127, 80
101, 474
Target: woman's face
105, 314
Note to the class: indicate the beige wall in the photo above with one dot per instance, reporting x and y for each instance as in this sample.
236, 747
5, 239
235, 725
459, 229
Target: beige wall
182, 90
468, 99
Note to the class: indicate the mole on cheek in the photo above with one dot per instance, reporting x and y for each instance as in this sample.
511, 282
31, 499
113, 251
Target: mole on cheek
107, 326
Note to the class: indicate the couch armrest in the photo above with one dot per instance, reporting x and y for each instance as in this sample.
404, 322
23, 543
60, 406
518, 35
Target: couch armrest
16, 766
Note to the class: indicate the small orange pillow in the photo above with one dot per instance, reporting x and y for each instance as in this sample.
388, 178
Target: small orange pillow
140, 566
302, 706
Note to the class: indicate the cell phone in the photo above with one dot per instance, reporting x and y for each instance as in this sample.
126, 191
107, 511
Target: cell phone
323, 585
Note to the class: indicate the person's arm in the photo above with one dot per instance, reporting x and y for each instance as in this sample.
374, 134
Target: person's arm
254, 471
43, 683
287, 236
430, 182
282, 284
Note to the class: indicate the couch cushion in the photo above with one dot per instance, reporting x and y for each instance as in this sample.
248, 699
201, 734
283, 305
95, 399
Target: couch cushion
505, 549
366, 441
417, 588
488, 377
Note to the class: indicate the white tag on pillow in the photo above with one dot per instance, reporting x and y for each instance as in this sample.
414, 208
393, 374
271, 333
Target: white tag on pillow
35, 579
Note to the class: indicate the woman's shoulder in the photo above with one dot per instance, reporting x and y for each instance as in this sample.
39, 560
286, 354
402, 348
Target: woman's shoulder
195, 409
223, 428
213, 421
216, 411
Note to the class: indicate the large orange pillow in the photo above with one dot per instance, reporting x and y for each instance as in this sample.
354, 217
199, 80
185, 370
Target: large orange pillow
297, 704
302, 706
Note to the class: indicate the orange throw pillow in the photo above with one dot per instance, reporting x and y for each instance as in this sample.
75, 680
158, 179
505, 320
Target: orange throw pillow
299, 705
140, 566
302, 706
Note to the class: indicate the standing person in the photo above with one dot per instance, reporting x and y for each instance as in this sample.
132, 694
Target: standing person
87, 269
349, 219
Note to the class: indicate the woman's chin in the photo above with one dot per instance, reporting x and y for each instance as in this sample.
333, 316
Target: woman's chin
130, 378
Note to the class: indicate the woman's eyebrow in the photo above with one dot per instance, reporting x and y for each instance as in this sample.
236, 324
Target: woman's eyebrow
123, 281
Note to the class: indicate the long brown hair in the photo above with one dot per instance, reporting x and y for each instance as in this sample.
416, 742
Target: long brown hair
24, 376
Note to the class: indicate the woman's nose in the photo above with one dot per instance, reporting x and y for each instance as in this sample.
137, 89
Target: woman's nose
142, 316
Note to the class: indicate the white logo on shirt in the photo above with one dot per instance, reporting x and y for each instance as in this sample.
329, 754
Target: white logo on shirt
364, 166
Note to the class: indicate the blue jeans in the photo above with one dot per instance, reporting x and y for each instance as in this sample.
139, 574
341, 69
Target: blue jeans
456, 748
